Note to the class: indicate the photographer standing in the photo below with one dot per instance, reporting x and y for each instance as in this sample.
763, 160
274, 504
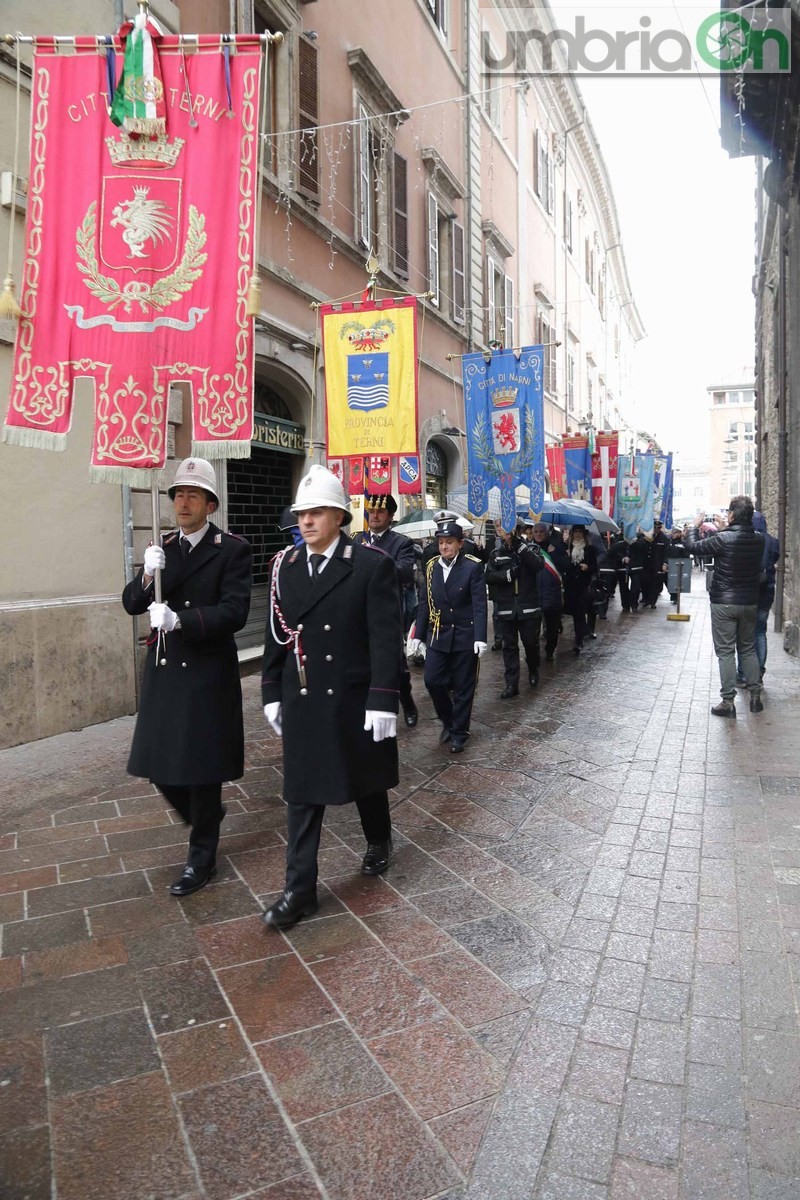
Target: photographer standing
737, 551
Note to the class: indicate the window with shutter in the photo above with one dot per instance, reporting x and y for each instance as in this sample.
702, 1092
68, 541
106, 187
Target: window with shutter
401, 216
459, 276
509, 311
308, 106
365, 191
433, 248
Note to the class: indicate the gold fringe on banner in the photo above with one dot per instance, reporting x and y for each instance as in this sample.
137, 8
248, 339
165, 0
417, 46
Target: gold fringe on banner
36, 439
254, 295
8, 300
220, 450
132, 476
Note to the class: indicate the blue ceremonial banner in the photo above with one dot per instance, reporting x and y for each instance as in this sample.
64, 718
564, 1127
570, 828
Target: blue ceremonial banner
633, 503
578, 467
504, 407
662, 487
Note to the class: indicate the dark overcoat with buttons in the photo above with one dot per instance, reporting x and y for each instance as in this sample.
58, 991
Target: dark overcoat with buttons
349, 623
190, 730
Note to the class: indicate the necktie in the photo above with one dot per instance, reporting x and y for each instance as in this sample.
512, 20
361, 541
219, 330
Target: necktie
186, 547
316, 561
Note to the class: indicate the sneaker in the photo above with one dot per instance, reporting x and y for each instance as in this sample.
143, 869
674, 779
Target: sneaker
725, 708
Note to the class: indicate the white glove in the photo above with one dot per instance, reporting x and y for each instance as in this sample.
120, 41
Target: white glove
480, 649
413, 646
273, 714
162, 617
154, 560
382, 724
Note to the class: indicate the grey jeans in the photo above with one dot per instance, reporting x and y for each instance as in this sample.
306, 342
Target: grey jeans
733, 628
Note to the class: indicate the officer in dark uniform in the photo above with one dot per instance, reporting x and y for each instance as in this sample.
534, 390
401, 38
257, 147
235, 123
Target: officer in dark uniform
380, 511
452, 620
629, 558
330, 686
654, 572
511, 575
189, 736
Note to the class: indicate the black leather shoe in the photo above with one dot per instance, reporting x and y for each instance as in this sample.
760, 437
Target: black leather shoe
533, 679
192, 879
411, 714
290, 908
756, 704
444, 737
508, 692
497, 644
456, 747
376, 860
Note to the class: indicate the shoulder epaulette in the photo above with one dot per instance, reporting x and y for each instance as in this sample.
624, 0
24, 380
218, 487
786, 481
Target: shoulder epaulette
237, 536
169, 538
472, 558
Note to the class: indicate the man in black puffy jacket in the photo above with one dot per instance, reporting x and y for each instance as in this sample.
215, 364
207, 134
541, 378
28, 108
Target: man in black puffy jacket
737, 552
511, 575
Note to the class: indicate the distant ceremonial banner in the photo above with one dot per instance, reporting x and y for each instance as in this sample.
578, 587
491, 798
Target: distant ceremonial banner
633, 509
378, 475
604, 470
578, 464
409, 476
371, 377
557, 471
355, 476
504, 408
139, 250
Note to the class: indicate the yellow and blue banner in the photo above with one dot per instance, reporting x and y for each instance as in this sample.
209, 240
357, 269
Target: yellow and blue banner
504, 408
371, 378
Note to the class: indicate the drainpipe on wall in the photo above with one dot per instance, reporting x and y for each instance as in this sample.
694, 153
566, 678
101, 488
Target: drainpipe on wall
783, 434
469, 298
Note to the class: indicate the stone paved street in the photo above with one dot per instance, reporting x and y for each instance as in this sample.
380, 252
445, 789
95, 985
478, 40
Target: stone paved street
578, 980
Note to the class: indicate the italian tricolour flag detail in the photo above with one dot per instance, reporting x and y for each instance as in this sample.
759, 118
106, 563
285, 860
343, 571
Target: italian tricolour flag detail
138, 105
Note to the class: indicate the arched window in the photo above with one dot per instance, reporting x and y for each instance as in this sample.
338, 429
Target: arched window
267, 401
435, 476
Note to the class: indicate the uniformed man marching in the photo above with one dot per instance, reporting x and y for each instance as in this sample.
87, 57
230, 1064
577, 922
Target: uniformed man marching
380, 511
189, 735
330, 686
452, 621
511, 575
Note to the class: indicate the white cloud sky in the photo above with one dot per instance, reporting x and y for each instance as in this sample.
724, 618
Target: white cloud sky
687, 213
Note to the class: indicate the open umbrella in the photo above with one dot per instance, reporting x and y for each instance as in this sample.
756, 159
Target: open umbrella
600, 522
458, 501
423, 527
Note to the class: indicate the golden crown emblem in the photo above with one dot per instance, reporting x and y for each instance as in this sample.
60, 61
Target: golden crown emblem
504, 397
128, 152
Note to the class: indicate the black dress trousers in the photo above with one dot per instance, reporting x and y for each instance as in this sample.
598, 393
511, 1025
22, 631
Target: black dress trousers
304, 826
450, 679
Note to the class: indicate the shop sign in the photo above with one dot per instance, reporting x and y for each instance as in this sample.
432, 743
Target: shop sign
275, 434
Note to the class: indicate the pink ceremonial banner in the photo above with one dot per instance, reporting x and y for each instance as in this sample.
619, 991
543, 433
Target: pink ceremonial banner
138, 256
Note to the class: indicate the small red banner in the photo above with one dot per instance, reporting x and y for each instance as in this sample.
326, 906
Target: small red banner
557, 471
604, 471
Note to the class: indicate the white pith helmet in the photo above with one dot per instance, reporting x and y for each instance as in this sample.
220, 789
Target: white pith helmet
198, 473
321, 489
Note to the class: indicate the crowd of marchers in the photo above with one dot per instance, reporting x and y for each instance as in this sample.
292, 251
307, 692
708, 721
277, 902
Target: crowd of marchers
344, 615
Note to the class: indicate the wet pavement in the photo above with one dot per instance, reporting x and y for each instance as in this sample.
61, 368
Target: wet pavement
577, 981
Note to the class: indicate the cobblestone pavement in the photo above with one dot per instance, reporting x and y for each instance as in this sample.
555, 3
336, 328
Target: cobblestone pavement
578, 980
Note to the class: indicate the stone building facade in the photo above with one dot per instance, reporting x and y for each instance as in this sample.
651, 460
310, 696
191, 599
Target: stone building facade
398, 135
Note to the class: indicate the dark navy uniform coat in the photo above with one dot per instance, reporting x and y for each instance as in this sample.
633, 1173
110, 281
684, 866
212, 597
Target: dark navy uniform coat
349, 620
189, 730
461, 602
